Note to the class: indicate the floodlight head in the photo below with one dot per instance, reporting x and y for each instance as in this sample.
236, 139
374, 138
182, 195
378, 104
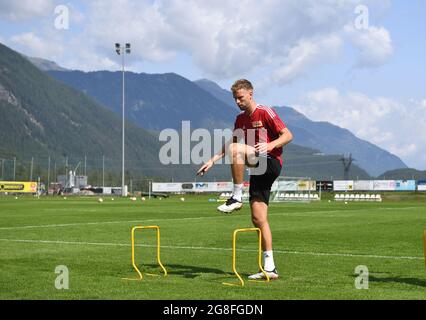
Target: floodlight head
127, 45
117, 48
127, 50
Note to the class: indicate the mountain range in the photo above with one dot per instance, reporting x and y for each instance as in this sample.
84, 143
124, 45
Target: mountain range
153, 101
324, 136
41, 116
160, 101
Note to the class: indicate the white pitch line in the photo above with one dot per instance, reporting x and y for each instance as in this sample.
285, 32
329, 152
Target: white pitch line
97, 223
184, 219
110, 244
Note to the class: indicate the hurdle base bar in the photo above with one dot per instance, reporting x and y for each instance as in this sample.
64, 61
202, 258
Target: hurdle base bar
242, 282
141, 278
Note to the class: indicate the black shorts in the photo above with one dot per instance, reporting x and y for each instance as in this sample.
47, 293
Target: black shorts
260, 185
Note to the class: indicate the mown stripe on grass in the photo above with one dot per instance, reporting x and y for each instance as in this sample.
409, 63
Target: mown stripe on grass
191, 218
110, 244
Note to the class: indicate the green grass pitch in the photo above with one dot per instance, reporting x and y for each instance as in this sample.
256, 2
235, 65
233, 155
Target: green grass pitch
317, 247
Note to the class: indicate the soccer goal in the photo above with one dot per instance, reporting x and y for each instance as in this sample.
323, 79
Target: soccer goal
294, 189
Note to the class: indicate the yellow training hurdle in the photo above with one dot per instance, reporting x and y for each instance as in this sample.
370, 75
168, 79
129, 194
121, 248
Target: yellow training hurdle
234, 256
133, 252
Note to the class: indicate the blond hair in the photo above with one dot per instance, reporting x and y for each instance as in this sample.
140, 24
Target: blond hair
241, 84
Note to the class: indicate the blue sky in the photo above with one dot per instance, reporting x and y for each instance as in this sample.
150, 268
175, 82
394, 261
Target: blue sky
309, 54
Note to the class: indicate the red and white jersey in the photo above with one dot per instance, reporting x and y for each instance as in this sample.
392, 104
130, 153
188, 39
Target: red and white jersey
263, 125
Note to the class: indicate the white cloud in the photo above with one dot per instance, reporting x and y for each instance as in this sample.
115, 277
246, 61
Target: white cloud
407, 150
76, 17
225, 39
89, 60
393, 125
305, 55
32, 45
45, 40
25, 9
374, 45
137, 22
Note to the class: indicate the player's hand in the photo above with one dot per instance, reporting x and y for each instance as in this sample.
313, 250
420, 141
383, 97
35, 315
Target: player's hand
263, 147
206, 167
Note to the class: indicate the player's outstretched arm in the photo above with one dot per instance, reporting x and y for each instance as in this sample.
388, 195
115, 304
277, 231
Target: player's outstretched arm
206, 167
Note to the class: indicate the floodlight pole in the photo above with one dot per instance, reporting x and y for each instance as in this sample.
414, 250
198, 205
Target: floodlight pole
103, 171
122, 51
123, 193
48, 175
31, 171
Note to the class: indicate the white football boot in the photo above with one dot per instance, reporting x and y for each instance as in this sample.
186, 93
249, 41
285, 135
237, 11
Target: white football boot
260, 275
230, 205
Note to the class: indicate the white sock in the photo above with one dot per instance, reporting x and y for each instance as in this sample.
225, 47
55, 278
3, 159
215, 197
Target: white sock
238, 192
268, 261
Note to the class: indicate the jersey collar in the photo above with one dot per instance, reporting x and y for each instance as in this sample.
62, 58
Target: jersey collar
254, 110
